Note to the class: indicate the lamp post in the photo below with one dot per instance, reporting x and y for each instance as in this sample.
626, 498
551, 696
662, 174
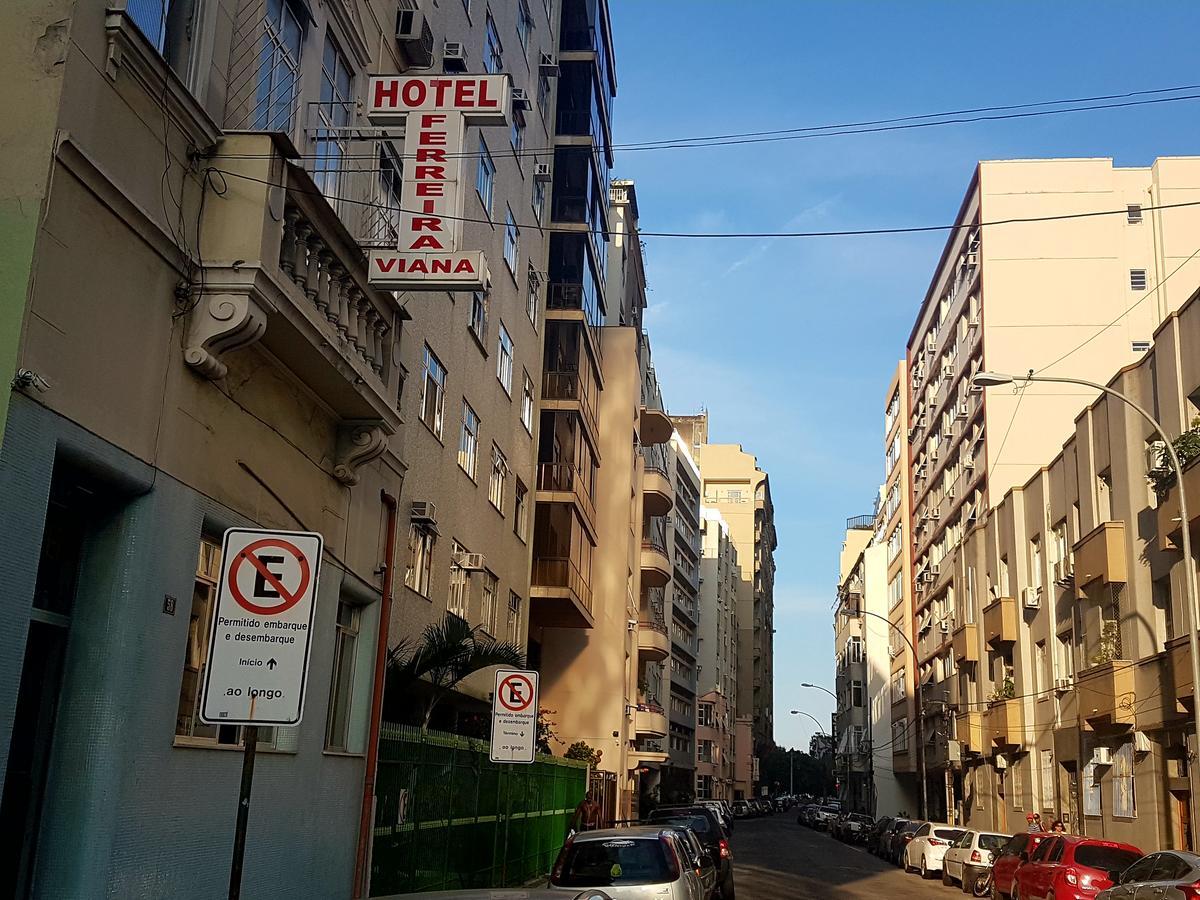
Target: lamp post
807, 684
820, 730
995, 379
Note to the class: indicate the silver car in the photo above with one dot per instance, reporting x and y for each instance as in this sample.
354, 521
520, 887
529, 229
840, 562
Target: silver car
637, 863
499, 894
1166, 875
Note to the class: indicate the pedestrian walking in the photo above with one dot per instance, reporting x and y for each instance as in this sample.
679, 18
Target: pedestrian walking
1033, 823
587, 814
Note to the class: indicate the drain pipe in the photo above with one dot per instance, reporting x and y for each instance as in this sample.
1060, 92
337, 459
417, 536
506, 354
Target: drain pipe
362, 875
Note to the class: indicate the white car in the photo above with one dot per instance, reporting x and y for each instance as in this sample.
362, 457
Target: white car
928, 845
637, 863
971, 856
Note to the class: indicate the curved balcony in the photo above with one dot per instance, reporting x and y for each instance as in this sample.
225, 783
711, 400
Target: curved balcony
658, 495
656, 565
654, 644
656, 427
650, 721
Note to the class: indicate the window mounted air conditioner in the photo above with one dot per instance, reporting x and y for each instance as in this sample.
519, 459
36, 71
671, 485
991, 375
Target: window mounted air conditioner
948, 371
1102, 756
410, 21
520, 99
945, 627
541, 171
548, 66
454, 56
973, 321
968, 464
934, 569
1141, 743
424, 512
1063, 683
470, 562
1031, 597
972, 258
1155, 453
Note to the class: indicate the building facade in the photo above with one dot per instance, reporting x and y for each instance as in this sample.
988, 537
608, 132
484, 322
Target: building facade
716, 672
1014, 297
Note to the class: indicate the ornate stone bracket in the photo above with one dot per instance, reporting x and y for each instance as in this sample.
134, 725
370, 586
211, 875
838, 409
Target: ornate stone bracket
221, 323
359, 442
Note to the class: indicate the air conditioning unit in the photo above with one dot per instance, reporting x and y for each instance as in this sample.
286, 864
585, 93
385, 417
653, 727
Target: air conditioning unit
950, 492
1063, 573
931, 345
423, 512
1031, 597
1001, 762
541, 171
920, 473
548, 66
1064, 683
972, 258
1155, 451
948, 371
976, 388
454, 56
935, 570
921, 422
469, 562
945, 627
968, 463
1102, 756
1141, 743
973, 321
933, 454
963, 411
929, 577
520, 99
893, 652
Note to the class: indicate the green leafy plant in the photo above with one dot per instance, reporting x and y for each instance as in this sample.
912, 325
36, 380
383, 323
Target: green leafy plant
1187, 448
545, 730
1109, 647
583, 751
1006, 691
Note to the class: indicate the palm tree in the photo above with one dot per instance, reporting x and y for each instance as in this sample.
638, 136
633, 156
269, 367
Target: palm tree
447, 652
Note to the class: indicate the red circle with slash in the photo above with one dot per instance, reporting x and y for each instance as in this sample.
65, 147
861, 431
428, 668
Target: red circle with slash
519, 702
289, 598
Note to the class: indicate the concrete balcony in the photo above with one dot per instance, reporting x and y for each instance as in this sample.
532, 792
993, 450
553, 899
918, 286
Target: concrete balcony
655, 427
560, 596
658, 495
966, 643
1000, 621
1100, 556
969, 728
650, 721
1005, 724
1169, 518
640, 757
656, 565
281, 270
1106, 694
563, 483
654, 643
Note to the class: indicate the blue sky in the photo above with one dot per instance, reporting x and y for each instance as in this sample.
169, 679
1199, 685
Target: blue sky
790, 343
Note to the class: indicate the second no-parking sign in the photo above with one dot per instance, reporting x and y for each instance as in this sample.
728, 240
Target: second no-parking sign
261, 629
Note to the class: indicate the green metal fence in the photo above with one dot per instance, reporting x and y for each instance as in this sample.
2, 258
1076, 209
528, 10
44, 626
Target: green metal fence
447, 817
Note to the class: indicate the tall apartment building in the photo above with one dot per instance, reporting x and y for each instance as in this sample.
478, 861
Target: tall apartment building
716, 669
894, 524
205, 170
1012, 298
740, 490
1074, 692
683, 539
852, 736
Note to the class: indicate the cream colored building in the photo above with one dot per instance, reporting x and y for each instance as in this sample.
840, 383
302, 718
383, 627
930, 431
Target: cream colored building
740, 490
1074, 692
1022, 296
720, 575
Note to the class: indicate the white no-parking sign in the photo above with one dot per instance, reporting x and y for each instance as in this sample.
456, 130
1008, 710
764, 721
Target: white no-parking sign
514, 716
261, 629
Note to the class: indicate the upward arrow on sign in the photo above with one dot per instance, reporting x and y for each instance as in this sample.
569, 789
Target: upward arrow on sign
271, 664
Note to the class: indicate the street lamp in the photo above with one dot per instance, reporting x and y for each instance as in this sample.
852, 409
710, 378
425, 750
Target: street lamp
820, 730
819, 687
995, 379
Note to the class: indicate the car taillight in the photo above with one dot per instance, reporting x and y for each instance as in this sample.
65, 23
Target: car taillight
725, 852
557, 870
1189, 891
976, 856
934, 842
672, 859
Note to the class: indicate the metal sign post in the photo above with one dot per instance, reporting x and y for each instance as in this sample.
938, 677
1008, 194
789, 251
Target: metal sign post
258, 647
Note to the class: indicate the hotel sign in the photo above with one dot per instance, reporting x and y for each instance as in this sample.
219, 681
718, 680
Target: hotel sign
435, 110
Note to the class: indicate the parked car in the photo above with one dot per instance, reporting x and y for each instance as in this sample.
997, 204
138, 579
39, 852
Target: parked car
875, 833
700, 862
741, 809
722, 809
1065, 866
853, 827
971, 857
900, 838
707, 828
1011, 857
804, 816
502, 894
825, 814
1166, 875
929, 843
624, 862
883, 847
764, 806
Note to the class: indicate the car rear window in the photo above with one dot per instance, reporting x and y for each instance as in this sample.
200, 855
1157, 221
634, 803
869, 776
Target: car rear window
615, 861
1107, 859
954, 835
992, 841
698, 824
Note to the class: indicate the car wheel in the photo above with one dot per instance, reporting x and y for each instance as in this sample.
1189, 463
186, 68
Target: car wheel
925, 873
946, 879
908, 869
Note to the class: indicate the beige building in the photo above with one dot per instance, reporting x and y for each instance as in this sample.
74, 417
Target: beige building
736, 487
1074, 690
720, 576
1021, 296
852, 720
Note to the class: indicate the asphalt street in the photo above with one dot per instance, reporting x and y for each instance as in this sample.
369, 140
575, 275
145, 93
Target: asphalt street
776, 859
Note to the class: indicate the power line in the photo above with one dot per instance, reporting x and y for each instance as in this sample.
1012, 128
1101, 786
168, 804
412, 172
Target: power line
856, 232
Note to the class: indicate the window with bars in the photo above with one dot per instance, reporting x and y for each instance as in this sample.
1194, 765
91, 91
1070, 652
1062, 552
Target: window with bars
1137, 279
334, 113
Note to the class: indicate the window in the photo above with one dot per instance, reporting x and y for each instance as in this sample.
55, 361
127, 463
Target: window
485, 177
468, 442
899, 691
1035, 564
524, 24
1018, 783
705, 752
1122, 781
512, 632
1047, 779
278, 76
383, 220
539, 200
1066, 657
543, 96
504, 362
1003, 582
531, 297
1091, 790
479, 315
458, 599
521, 511
899, 735
341, 691
1133, 213
857, 693
512, 241
420, 558
1041, 673
895, 591
487, 603
333, 112
704, 787
433, 396
1104, 495
516, 135
1137, 279
706, 715
854, 648
527, 401
493, 61
498, 479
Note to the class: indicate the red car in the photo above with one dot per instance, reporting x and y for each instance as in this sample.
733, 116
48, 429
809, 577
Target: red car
1066, 867
1009, 858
